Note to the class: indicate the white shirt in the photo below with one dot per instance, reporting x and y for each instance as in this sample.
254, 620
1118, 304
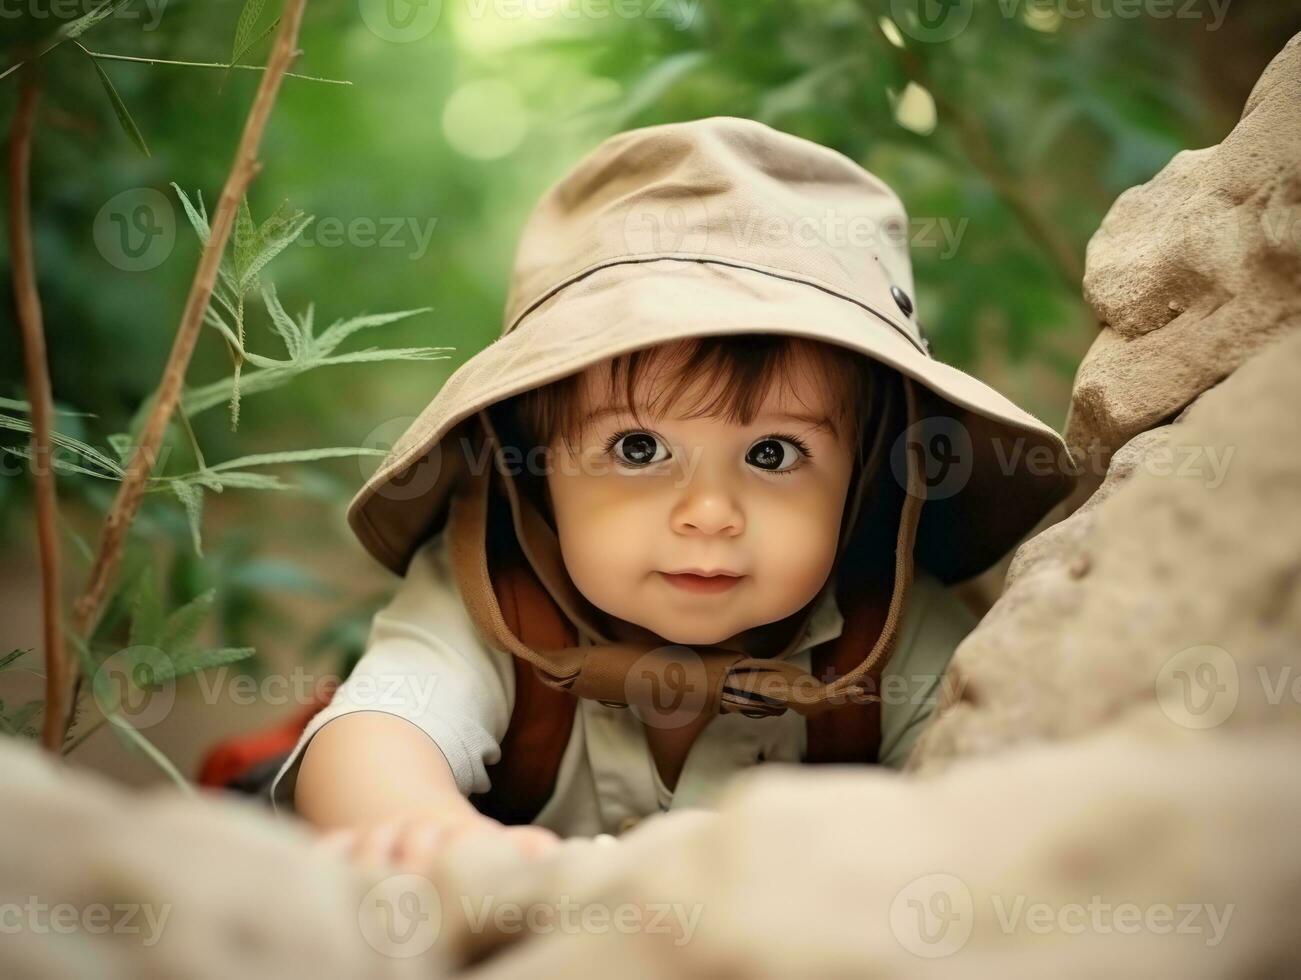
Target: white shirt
426, 662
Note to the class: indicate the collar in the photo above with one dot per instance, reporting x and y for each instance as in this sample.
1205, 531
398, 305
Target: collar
826, 623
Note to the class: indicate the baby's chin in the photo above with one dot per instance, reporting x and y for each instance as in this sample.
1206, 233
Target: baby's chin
693, 634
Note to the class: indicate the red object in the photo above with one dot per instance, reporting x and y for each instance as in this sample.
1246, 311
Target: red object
233, 757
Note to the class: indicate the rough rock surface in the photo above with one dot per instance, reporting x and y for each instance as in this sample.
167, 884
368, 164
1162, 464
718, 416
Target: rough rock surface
195, 888
1195, 271
1103, 857
1191, 546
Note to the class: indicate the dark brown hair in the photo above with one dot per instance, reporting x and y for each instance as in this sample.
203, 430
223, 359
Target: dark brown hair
739, 368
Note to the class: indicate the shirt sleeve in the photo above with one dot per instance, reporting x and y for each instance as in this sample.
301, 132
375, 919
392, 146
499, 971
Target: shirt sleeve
425, 662
935, 622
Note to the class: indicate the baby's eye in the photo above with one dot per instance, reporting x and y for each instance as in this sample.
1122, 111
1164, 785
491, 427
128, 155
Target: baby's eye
774, 455
637, 449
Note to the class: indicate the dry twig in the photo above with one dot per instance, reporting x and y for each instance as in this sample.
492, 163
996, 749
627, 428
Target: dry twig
89, 606
40, 397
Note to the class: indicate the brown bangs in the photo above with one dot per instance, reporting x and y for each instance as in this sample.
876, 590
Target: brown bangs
738, 372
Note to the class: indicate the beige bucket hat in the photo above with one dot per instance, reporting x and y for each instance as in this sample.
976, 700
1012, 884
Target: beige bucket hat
713, 227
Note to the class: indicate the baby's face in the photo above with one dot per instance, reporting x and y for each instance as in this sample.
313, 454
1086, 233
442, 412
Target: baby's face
763, 502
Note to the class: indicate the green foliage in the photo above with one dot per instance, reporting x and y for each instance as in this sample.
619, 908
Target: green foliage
21, 721
253, 248
120, 110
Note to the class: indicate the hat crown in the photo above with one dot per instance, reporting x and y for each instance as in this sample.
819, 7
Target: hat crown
719, 189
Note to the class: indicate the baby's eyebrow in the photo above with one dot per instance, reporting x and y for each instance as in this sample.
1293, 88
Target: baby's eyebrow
814, 420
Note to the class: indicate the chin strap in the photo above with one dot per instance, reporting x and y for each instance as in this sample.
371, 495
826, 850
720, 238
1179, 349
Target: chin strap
699, 679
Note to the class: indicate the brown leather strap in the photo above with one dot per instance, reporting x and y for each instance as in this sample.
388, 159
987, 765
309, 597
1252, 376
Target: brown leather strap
851, 733
542, 718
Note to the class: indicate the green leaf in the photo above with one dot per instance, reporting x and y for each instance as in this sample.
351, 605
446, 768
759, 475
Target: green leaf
371, 354
62, 465
652, 86
276, 573
76, 28
65, 442
134, 739
198, 218
19, 723
18, 405
246, 241
267, 30
146, 610
295, 456
193, 661
273, 237
182, 626
240, 481
10, 658
122, 445
119, 107
283, 324
341, 330
191, 497
248, 18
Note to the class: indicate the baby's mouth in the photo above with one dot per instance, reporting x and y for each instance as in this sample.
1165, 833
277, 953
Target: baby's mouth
701, 584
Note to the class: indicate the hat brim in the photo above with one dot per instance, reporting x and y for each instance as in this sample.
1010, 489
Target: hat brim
1013, 471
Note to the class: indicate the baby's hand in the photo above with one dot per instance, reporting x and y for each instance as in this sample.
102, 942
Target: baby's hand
413, 841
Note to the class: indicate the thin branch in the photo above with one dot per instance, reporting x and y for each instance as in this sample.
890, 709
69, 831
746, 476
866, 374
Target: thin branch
42, 406
105, 56
89, 606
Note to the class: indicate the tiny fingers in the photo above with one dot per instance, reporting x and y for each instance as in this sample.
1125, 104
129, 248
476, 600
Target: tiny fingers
337, 842
417, 846
378, 844
533, 842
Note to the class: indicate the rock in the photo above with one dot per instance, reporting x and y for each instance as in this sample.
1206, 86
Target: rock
1107, 856
98, 882
1195, 271
1192, 543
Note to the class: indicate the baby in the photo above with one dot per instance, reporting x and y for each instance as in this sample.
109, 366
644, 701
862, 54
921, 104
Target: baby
670, 525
